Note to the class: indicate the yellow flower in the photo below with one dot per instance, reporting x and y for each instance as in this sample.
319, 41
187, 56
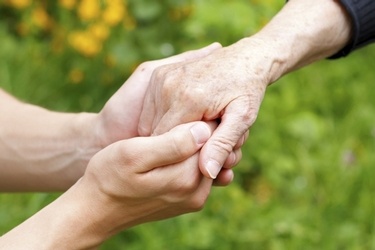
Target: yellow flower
19, 4
89, 9
99, 31
40, 18
76, 76
85, 43
68, 4
114, 13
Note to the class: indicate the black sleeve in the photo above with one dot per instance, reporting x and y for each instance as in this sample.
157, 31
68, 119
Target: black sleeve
362, 13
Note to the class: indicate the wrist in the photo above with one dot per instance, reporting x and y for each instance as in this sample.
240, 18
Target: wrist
69, 222
83, 220
85, 128
90, 216
262, 61
302, 32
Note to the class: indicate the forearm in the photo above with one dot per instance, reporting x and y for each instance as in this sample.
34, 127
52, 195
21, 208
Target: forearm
307, 31
70, 222
304, 31
42, 150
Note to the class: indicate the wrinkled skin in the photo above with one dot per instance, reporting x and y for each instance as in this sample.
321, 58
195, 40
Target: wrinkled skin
119, 117
117, 121
212, 87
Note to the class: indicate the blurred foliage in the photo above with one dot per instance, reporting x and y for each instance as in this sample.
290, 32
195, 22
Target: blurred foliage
306, 177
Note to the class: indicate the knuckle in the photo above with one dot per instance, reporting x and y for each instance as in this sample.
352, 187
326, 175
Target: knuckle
223, 144
185, 186
122, 151
170, 86
188, 182
169, 78
180, 90
192, 96
246, 110
189, 186
197, 203
161, 72
126, 157
250, 118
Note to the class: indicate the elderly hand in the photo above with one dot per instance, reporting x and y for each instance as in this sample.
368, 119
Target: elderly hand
120, 116
228, 84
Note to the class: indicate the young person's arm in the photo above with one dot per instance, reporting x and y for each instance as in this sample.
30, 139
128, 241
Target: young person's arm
41, 150
128, 183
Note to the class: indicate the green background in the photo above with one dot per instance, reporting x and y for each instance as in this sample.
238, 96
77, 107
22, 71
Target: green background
306, 180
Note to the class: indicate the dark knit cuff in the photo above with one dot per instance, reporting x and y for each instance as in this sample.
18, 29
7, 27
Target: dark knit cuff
362, 13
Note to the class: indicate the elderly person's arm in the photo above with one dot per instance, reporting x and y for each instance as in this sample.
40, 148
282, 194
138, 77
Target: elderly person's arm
230, 83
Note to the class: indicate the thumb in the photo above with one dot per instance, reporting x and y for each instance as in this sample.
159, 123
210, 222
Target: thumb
174, 146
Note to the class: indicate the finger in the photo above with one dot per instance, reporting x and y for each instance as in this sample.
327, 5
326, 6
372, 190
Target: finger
181, 178
172, 118
199, 197
147, 114
224, 178
147, 153
233, 158
217, 149
242, 140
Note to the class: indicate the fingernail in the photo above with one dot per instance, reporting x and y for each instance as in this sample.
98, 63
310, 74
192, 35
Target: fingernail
200, 132
213, 168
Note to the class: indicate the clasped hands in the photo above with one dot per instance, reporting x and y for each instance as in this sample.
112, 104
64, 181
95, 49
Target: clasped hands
151, 168
128, 178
